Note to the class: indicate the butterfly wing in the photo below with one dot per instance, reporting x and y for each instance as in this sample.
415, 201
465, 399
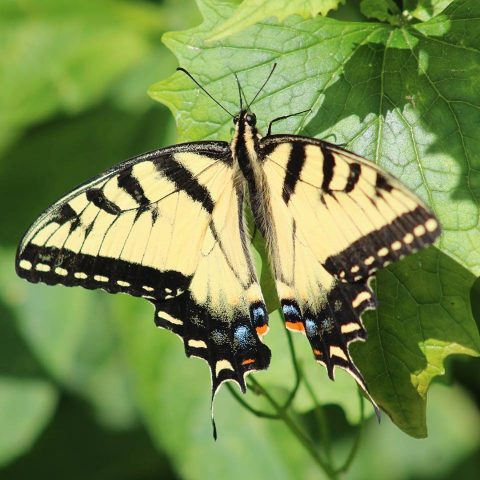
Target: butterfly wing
166, 226
336, 218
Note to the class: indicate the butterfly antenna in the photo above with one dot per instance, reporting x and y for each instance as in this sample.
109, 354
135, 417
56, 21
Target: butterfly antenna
241, 93
262, 87
180, 69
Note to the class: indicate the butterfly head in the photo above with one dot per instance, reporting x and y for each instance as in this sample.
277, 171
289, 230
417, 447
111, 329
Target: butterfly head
246, 133
245, 117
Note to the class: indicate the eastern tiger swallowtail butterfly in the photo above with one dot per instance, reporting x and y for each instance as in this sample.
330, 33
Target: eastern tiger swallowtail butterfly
169, 226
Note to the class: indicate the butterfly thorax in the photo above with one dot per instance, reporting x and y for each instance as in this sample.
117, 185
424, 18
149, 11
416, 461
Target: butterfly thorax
245, 146
247, 155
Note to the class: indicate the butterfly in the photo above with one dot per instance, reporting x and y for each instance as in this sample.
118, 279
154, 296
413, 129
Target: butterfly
169, 226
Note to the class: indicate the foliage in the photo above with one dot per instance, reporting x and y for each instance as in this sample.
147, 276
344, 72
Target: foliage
401, 90
377, 88
250, 12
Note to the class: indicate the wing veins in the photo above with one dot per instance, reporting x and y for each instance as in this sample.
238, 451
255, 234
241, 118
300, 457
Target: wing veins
177, 190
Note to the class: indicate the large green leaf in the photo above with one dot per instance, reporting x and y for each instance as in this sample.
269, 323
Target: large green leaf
55, 59
454, 426
383, 10
424, 315
426, 9
250, 12
390, 11
406, 98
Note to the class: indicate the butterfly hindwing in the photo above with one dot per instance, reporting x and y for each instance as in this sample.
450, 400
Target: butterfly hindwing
335, 219
152, 227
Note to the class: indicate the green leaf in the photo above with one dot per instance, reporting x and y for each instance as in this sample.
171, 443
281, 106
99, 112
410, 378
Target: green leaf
389, 11
250, 12
424, 315
404, 97
26, 406
383, 10
427, 9
55, 59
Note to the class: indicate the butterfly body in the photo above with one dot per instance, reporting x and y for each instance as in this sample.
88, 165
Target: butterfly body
169, 226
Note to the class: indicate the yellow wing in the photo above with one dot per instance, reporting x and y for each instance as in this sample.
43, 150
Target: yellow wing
166, 226
336, 218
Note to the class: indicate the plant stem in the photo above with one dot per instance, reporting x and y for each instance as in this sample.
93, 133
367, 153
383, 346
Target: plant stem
320, 414
356, 442
299, 434
296, 369
245, 404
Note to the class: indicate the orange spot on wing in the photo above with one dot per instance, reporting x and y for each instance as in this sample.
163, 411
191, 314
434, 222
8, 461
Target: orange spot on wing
297, 326
317, 352
248, 361
262, 330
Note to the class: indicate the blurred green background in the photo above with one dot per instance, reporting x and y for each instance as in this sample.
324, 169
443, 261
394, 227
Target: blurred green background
88, 388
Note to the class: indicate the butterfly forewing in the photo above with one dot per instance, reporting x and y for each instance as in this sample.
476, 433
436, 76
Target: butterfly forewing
153, 227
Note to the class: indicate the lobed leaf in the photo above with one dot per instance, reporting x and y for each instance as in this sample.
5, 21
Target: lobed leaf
426, 9
403, 97
250, 12
383, 10
424, 316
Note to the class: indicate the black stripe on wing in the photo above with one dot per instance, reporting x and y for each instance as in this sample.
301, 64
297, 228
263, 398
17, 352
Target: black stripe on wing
328, 168
185, 181
295, 164
406, 234
61, 266
130, 184
353, 176
97, 197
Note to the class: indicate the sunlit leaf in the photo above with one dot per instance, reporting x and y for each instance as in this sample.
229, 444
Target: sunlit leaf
250, 12
404, 97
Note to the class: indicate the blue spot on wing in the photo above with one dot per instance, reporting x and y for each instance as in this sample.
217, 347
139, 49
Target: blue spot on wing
310, 327
259, 315
242, 336
290, 310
